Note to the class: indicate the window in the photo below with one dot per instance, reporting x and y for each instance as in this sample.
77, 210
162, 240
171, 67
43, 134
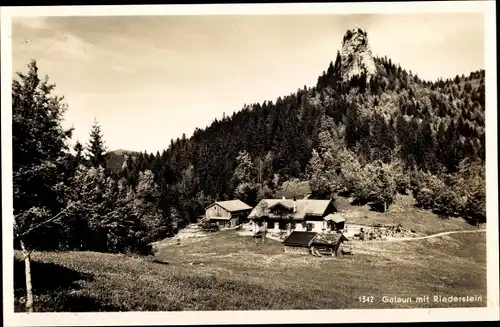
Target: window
309, 227
270, 225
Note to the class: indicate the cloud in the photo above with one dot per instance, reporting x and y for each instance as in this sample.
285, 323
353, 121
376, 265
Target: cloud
73, 46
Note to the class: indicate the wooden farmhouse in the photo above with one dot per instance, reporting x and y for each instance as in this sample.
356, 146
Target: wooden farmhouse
286, 215
227, 214
315, 243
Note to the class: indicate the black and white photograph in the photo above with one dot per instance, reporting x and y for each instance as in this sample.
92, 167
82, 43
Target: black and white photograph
250, 163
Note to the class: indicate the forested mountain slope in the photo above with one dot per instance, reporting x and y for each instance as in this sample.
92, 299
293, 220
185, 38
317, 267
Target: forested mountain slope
368, 129
428, 126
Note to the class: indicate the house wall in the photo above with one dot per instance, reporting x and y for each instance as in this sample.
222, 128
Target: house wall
256, 227
269, 226
296, 250
317, 226
216, 211
276, 228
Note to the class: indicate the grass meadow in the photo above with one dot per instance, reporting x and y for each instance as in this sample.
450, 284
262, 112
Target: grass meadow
224, 271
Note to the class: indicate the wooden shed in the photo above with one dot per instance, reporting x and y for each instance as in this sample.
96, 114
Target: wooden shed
315, 243
227, 213
328, 243
299, 242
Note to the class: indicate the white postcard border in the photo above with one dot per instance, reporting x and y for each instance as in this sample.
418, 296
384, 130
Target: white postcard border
254, 317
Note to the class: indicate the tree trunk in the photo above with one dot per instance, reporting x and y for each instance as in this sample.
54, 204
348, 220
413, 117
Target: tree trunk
385, 206
27, 270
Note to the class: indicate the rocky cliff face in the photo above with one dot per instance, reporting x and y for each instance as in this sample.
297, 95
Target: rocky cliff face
356, 55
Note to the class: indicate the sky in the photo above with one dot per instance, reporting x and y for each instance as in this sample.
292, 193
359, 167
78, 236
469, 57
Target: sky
148, 79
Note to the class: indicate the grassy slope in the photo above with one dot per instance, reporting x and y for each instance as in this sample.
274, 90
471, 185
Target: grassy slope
228, 272
403, 212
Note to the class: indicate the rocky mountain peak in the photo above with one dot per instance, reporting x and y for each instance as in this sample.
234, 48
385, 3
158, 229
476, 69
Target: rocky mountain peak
356, 55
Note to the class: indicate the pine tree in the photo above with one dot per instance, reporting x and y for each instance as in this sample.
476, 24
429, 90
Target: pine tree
76, 159
39, 152
78, 152
96, 150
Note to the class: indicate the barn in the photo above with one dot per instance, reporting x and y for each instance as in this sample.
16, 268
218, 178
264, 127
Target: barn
227, 214
299, 242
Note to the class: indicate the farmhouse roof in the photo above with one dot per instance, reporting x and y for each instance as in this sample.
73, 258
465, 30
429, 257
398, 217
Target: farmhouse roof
305, 207
232, 205
335, 217
300, 239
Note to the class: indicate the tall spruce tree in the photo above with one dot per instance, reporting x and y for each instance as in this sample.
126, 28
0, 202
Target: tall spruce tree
78, 152
96, 150
39, 150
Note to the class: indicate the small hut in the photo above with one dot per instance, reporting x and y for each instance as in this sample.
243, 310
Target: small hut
299, 242
329, 244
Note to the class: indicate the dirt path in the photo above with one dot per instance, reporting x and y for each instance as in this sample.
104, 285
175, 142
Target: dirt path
434, 235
